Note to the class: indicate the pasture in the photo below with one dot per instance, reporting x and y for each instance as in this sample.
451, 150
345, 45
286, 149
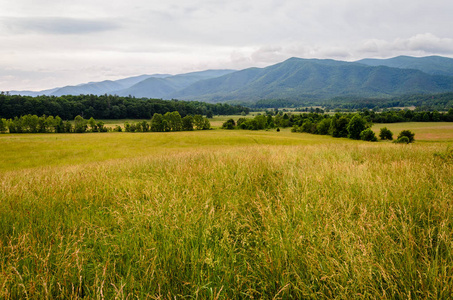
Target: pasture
226, 214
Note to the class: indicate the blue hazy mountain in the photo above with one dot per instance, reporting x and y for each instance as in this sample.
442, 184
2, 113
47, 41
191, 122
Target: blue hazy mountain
303, 79
162, 87
296, 79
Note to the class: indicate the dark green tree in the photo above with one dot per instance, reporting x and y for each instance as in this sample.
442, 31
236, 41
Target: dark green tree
229, 124
338, 126
355, 126
323, 126
368, 135
408, 134
3, 125
385, 134
187, 123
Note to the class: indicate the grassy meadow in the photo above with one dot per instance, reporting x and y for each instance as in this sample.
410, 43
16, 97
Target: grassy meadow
226, 214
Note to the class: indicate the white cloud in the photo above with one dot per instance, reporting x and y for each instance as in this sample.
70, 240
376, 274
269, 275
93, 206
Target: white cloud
420, 44
78, 41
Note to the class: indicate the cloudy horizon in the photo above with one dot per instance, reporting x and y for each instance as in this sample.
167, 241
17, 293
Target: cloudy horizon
47, 44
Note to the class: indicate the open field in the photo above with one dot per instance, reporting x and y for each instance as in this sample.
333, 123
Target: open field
226, 214
424, 131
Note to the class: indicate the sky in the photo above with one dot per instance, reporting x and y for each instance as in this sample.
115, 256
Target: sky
46, 43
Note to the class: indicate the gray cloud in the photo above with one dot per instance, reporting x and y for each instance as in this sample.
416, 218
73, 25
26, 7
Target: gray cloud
55, 25
77, 41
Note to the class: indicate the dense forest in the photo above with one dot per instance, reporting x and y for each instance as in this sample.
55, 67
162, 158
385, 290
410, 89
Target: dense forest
107, 107
424, 102
170, 121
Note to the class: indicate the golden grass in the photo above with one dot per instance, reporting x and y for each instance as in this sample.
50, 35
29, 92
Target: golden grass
225, 214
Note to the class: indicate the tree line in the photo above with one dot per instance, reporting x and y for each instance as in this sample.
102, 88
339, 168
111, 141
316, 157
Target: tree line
170, 121
422, 102
107, 107
355, 126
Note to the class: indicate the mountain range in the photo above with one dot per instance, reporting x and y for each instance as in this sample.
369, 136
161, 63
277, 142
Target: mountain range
294, 78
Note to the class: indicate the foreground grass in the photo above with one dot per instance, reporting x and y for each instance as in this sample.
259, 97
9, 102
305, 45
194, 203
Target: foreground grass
270, 217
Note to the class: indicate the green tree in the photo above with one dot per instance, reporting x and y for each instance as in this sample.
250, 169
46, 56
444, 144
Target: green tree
29, 123
68, 127
385, 134
187, 123
207, 124
261, 122
408, 134
323, 126
355, 126
101, 127
368, 135
80, 124
58, 125
49, 123
92, 123
229, 124
42, 124
145, 126
3, 126
174, 120
338, 126
157, 123
198, 122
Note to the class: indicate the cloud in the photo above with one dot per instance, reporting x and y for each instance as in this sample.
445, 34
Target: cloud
56, 25
419, 44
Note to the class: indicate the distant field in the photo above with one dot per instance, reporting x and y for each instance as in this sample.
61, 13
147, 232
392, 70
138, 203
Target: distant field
225, 215
424, 131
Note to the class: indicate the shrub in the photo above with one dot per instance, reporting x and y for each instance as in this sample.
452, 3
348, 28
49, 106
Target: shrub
229, 124
402, 140
385, 134
407, 133
368, 135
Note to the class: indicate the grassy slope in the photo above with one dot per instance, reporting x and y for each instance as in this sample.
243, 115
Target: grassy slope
224, 213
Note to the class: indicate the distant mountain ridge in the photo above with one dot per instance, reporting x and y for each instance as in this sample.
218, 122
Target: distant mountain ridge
304, 79
295, 78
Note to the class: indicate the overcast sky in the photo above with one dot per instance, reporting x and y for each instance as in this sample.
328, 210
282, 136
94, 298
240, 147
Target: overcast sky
47, 43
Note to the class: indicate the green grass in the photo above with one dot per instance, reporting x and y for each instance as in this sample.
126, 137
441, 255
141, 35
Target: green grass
224, 214
38, 150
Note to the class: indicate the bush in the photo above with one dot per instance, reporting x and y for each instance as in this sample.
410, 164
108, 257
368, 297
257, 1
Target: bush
407, 133
229, 124
385, 134
368, 135
402, 140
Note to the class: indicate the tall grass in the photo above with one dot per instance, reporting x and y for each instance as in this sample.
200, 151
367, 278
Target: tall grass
351, 220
